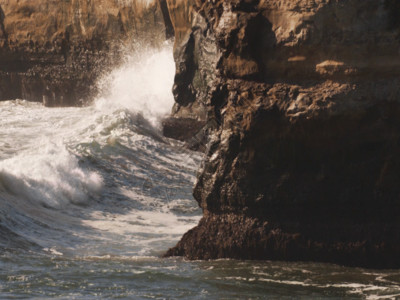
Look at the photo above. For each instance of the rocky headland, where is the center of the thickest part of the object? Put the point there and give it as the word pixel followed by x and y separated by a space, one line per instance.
pixel 53 51
pixel 296 101
pixel 302 105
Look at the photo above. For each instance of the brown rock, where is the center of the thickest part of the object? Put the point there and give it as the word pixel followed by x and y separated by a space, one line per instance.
pixel 305 101
pixel 180 128
pixel 195 65
pixel 53 51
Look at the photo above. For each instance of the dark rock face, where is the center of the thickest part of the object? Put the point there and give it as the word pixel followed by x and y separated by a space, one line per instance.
pixel 303 97
pixel 194 133
pixel 196 56
pixel 180 128
pixel 53 51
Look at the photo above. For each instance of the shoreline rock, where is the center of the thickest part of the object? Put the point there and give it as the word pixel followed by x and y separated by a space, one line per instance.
pixel 304 98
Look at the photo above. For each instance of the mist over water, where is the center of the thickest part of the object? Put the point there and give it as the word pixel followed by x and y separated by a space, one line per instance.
pixel 142 84
pixel 91 197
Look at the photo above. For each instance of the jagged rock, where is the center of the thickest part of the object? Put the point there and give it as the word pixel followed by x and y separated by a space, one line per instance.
pixel 303 159
pixel 180 128
pixel 53 51
pixel 192 132
pixel 196 56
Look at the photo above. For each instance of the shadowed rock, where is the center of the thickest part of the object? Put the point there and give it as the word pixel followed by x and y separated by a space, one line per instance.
pixel 302 162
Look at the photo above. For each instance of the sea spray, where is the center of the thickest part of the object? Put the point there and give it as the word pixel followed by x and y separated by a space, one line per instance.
pixel 142 84
pixel 99 180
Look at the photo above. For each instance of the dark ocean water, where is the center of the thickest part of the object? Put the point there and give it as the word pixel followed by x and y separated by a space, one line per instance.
pixel 28 275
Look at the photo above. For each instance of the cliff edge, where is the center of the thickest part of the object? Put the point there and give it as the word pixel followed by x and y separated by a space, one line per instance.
pixel 53 51
pixel 302 100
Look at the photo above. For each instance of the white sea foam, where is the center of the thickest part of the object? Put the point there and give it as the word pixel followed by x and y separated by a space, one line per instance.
pixel 51 176
pixel 143 84
pixel 101 177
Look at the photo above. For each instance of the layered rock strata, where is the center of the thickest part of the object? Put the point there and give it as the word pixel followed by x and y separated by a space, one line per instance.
pixel 303 100
pixel 53 51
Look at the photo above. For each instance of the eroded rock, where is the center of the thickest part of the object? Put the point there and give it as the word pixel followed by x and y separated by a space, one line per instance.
pixel 53 51
pixel 302 162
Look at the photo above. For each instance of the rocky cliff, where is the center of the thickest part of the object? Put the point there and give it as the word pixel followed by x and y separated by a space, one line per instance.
pixel 193 63
pixel 53 51
pixel 302 100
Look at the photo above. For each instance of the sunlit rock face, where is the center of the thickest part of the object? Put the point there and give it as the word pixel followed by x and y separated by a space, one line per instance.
pixel 181 14
pixel 53 51
pixel 302 98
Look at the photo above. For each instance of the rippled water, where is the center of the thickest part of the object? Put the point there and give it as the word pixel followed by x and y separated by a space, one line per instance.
pixel 91 197
pixel 41 275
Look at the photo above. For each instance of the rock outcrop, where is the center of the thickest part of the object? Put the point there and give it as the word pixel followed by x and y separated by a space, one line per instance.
pixel 53 51
pixel 195 59
pixel 303 102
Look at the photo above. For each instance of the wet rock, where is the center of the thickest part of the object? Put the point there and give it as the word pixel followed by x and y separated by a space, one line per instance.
pixel 304 99
pixel 193 132
pixel 180 128
pixel 196 55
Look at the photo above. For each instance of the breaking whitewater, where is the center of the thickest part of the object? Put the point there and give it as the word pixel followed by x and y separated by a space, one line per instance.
pixel 91 197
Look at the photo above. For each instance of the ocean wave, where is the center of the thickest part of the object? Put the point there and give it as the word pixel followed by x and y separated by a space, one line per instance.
pixel 99 180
